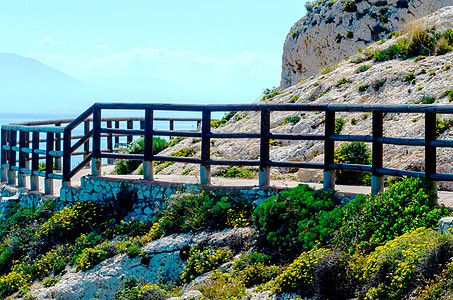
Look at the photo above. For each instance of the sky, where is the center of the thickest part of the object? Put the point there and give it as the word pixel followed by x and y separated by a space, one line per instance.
pixel 219 50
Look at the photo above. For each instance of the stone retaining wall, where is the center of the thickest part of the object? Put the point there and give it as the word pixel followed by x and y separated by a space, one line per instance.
pixel 151 195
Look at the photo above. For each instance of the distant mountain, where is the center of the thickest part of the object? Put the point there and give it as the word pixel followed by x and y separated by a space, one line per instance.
pixel 30 87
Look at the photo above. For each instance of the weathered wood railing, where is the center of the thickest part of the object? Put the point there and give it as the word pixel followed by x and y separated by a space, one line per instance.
pixel 10 148
pixel 52 154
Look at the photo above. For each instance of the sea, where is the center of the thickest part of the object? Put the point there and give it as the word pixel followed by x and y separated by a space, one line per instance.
pixel 158 125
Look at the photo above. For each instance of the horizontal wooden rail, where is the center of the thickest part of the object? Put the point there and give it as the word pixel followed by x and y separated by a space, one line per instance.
pixel 20 142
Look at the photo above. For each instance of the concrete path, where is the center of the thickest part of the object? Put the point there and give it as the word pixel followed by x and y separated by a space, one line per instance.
pixel 445 197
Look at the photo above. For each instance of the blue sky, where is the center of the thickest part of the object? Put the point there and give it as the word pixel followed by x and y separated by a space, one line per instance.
pixel 207 48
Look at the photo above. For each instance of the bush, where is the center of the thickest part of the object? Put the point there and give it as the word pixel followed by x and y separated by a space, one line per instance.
pixel 270 93
pixel 234 172
pixel 428 100
pixel 294 99
pixel 352 153
pixel 343 81
pixel 393 269
pixel 66 225
pixel 362 69
pixel 205 210
pixel 339 125
pixel 362 88
pixel 442 126
pixel 368 222
pixel 200 262
pixel 299 274
pixel 409 77
pixel 293 219
pixel 90 257
pixel 293 120
pixel 132 289
pixel 350 6
pixel 127 166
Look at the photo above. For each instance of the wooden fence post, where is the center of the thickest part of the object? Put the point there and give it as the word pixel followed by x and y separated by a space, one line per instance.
pixel 329 150
pixel 58 148
pixel 117 137
pixel 86 145
pixel 205 168
pixel 377 180
pixel 148 172
pixel 4 173
pixel 12 157
pixel 172 127
pixel 130 125
pixel 48 182
pixel 34 179
pixel 67 135
pixel 21 180
pixel 96 161
pixel 430 151
pixel 110 142
pixel 264 170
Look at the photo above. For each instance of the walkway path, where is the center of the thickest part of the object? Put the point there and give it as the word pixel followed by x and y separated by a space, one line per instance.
pixel 445 197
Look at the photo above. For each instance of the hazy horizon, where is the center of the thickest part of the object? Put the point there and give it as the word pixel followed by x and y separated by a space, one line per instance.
pixel 145 51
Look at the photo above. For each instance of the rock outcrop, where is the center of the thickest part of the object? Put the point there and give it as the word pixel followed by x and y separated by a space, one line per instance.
pixel 165 264
pixel 333 30
pixel 386 84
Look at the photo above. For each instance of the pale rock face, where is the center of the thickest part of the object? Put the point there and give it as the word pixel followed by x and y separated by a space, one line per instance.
pixel 103 280
pixel 386 86
pixel 329 34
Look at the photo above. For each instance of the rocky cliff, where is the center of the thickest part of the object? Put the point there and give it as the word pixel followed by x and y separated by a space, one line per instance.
pixel 333 30
pixel 356 80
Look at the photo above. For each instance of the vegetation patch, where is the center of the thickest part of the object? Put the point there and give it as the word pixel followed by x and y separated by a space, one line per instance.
pixel 270 93
pixel 127 166
pixel 361 69
pixel 356 153
pixel 234 172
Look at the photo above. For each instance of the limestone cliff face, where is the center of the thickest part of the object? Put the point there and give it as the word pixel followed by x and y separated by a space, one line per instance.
pixel 332 31
pixel 384 83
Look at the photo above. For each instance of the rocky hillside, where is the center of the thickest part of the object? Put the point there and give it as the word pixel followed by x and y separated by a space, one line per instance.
pixel 334 29
pixel 364 78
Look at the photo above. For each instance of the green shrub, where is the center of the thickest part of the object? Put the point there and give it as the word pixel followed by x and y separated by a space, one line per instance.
pixel 66 225
pixel 339 125
pixel 132 289
pixel 90 257
pixel 349 35
pixel 362 69
pixel 442 126
pixel 409 77
pixel 270 93
pixel 234 172
pixel 352 153
pixel 293 120
pixel 51 281
pixel 362 88
pixel 291 219
pixel 294 99
pixel 200 262
pixel 206 210
pixel 299 275
pixel 368 222
pixel 428 100
pixel 393 269
pixel 127 166
pixel 349 6
pixel 343 81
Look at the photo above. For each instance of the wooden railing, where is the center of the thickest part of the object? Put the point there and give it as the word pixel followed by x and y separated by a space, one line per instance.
pixel 21 149
pixel 95 153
